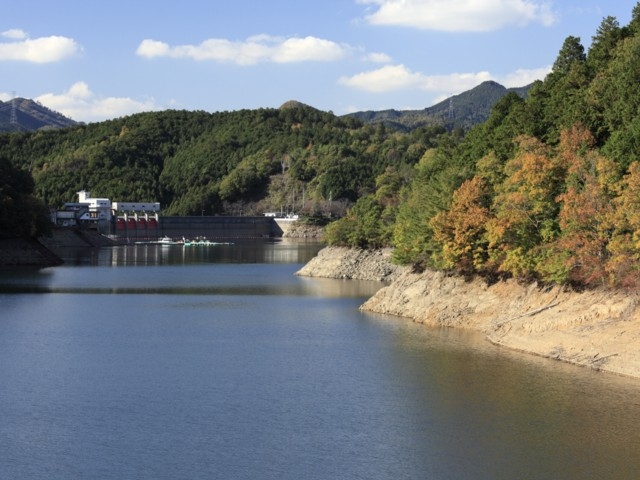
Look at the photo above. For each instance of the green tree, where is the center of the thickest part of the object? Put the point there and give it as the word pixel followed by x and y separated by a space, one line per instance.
pixel 361 227
pixel 603 44
pixel 570 53
pixel 616 100
pixel 21 214
pixel 437 176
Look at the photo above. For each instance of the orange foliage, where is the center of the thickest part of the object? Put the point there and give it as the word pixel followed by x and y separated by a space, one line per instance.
pixel 460 230
pixel 525 207
pixel 587 218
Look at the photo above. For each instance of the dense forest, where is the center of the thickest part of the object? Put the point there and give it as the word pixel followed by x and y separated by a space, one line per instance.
pixel 546 189
pixel 294 158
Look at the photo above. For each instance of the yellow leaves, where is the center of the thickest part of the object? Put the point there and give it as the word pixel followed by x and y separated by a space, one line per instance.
pixel 563 215
pixel 460 230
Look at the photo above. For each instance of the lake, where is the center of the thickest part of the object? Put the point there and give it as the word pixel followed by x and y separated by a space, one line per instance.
pixel 152 362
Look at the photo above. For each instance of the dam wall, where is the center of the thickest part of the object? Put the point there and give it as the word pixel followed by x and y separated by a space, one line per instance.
pixel 193 227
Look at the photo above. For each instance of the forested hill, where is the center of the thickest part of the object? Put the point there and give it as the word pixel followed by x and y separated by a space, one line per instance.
pixel 547 189
pixel 294 158
pixel 464 110
pixel 23 115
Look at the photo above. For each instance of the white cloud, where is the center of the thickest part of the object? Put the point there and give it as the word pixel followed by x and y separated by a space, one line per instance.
pixel 377 58
pixel 14 34
pixel 522 77
pixel 460 15
pixel 387 78
pixel 399 77
pixel 307 49
pixel 81 104
pixel 256 49
pixel 37 50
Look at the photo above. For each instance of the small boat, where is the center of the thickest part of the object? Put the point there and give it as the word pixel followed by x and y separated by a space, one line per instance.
pixel 201 241
pixel 168 241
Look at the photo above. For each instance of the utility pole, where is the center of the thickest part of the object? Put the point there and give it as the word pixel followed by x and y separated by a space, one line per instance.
pixel 13 119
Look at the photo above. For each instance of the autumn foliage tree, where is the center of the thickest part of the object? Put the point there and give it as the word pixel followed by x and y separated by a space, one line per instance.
pixel 525 208
pixel 624 248
pixel 461 230
pixel 587 214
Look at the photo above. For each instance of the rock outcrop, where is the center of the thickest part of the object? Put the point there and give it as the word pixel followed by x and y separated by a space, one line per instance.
pixel 349 263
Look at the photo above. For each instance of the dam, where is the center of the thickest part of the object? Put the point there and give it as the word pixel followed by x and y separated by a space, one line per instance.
pixel 212 228
pixel 142 221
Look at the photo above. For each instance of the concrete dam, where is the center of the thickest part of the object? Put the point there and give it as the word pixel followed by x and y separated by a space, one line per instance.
pixel 142 221
pixel 212 228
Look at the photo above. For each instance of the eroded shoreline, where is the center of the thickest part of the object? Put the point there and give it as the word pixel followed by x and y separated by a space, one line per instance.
pixel 596 329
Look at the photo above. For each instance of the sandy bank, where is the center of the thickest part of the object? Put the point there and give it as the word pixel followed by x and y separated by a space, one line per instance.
pixel 597 329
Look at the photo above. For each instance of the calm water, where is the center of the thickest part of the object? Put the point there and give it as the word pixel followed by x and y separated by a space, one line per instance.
pixel 218 363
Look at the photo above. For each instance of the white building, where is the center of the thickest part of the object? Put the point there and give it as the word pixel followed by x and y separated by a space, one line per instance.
pixel 99 208
pixel 102 214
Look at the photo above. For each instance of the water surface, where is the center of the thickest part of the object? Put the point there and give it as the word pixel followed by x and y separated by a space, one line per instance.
pixel 162 363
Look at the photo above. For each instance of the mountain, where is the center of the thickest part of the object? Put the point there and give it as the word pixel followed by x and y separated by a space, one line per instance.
pixel 459 111
pixel 28 116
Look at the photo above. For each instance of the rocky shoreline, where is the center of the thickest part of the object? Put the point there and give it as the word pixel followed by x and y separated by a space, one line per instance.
pixel 351 263
pixel 595 329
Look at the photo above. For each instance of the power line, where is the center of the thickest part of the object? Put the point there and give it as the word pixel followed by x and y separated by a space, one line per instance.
pixel 13 119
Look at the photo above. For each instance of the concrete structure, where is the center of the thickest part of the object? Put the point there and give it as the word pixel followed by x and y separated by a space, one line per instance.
pixel 219 228
pixel 141 221
pixel 100 214
pixel 99 208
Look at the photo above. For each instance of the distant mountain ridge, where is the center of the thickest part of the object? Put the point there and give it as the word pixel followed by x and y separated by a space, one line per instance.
pixel 459 111
pixel 29 115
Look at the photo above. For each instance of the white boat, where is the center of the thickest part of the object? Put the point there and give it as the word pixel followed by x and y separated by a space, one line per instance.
pixel 168 241
pixel 198 242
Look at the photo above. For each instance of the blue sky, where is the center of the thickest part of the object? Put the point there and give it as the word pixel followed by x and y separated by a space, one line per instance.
pixel 96 60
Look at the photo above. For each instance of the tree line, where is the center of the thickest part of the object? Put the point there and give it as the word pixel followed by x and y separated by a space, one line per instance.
pixel 247 161
pixel 547 189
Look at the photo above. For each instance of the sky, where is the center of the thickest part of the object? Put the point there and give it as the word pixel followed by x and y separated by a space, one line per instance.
pixel 103 59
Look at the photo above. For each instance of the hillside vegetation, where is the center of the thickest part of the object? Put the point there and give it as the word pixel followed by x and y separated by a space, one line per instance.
pixel 294 158
pixel 546 189
pixel 29 116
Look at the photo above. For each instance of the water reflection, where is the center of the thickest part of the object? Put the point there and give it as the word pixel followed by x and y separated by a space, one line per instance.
pixel 506 412
pixel 151 269
pixel 244 251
